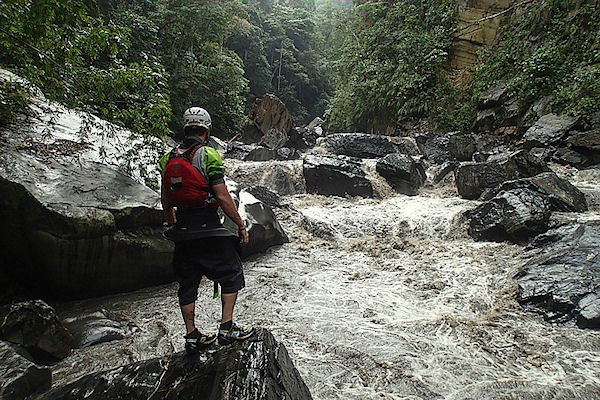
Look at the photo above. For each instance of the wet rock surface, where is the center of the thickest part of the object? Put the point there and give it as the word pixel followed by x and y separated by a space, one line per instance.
pixel 263 227
pixel 548 130
pixel 338 176
pixel 360 145
pixel 74 223
pixel 562 280
pixel 19 376
pixel 36 326
pixel 271 117
pixel 90 329
pixel 249 152
pixel 474 178
pixel 257 368
pixel 514 215
pixel 402 172
pixel 563 196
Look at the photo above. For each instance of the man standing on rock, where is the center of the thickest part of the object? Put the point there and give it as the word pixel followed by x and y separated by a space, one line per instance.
pixel 193 188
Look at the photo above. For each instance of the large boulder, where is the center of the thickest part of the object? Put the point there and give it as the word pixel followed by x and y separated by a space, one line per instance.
pixel 562 281
pixel 335 175
pixel 561 194
pixel 263 228
pixel 514 215
pixel 78 218
pixel 257 368
pixel 405 145
pixel 249 152
pixel 35 326
pixel 360 145
pixel 19 376
pixel 462 146
pixel 402 172
pixel 473 179
pixel 548 130
pixel 271 117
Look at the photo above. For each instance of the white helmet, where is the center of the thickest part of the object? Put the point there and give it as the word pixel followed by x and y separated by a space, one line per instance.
pixel 196 116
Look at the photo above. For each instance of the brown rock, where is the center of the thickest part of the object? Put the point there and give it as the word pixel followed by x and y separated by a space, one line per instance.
pixel 269 113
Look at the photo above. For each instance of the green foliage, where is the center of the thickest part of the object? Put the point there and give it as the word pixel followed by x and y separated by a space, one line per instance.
pixel 551 48
pixel 390 62
pixel 14 98
pixel 80 61
pixel 282 50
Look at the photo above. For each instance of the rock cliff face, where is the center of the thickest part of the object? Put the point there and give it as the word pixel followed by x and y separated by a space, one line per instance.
pixel 78 221
pixel 471 36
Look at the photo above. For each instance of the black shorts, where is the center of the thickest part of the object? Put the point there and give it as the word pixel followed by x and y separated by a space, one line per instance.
pixel 217 258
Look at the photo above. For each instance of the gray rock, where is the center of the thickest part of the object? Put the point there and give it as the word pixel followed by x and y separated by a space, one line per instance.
pixel 562 279
pixel 257 368
pixel 402 172
pixel 461 146
pixel 286 153
pixel 485 120
pixel 249 152
pixel 569 157
pixel 268 197
pixel 361 145
pixel 35 326
pixel 474 178
pixel 19 377
pixel 263 227
pixel 547 130
pixel 405 145
pixel 78 219
pixel 514 215
pixel 493 97
pixel 335 175
pixel 589 140
pixel 435 148
pixel 88 330
pixel 274 139
pixel 561 194
pixel 444 169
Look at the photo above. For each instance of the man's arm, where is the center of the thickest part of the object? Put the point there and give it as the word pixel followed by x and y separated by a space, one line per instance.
pixel 168 211
pixel 229 208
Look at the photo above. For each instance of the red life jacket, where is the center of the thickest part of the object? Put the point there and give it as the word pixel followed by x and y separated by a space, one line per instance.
pixel 184 184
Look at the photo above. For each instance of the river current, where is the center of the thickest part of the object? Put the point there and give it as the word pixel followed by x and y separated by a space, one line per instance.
pixel 384 298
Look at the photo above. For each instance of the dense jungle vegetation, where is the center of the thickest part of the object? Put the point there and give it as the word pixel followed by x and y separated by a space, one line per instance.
pixel 364 65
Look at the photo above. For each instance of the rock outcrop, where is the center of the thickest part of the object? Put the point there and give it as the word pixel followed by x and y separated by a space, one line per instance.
pixel 548 130
pixel 35 326
pixel 473 179
pixel 402 172
pixel 19 376
pixel 257 368
pixel 336 175
pixel 273 121
pixel 562 279
pixel 249 152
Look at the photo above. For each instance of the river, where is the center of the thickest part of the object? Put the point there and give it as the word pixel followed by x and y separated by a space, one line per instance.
pixel 383 298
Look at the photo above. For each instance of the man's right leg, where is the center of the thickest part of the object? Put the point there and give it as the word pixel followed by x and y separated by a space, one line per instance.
pixel 188 312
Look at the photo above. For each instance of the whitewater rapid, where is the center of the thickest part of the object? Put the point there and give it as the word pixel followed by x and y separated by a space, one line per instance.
pixel 376 299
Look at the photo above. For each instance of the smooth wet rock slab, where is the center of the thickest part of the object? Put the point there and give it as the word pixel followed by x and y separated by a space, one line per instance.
pixel 19 376
pixel 257 368
pixel 90 329
pixel 36 326
pixel 562 280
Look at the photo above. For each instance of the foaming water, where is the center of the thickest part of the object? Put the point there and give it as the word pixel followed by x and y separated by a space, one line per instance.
pixel 378 299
